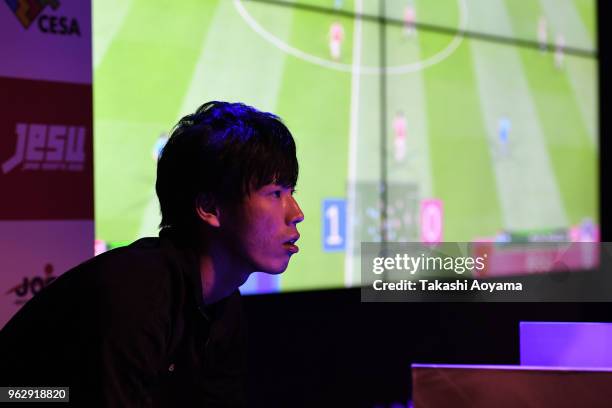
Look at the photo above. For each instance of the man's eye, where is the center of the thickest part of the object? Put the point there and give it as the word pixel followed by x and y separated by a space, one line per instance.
pixel 277 193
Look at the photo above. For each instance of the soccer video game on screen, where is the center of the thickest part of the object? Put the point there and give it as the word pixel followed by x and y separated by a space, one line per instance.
pixel 490 128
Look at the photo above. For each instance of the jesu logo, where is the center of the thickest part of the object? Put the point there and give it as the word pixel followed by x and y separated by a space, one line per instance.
pixel 27 11
pixel 31 286
pixel 48 148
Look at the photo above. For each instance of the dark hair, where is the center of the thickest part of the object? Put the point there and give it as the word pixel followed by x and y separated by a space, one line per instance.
pixel 224 150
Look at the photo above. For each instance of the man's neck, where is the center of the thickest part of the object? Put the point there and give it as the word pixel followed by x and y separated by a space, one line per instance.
pixel 220 275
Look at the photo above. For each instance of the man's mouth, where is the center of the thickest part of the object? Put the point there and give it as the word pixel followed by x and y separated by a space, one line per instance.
pixel 290 244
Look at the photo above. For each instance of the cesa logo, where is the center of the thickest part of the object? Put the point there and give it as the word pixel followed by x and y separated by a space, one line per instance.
pixel 28 11
pixel 31 286
pixel 47 148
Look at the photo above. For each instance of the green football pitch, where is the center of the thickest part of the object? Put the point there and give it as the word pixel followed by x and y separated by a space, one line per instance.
pixel 155 61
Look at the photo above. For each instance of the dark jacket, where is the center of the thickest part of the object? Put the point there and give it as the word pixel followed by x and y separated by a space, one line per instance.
pixel 129 328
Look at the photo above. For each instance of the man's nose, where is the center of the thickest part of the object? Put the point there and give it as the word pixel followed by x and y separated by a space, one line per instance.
pixel 294 212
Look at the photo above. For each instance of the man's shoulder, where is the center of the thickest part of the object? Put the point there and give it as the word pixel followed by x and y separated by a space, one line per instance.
pixel 146 255
pixel 148 273
pixel 121 299
pixel 147 265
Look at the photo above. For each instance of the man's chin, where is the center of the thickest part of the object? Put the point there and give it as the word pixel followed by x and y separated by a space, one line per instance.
pixel 273 269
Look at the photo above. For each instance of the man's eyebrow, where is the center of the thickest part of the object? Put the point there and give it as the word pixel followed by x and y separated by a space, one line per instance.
pixel 279 184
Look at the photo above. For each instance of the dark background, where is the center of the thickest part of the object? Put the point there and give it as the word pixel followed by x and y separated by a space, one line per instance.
pixel 326 348
pixel 320 349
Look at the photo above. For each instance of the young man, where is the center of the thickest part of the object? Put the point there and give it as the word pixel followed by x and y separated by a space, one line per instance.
pixel 159 322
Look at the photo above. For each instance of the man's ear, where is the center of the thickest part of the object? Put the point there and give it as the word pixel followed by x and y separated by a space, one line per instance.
pixel 207 210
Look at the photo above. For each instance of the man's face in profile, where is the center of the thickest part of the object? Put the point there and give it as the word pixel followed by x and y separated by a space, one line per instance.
pixel 263 228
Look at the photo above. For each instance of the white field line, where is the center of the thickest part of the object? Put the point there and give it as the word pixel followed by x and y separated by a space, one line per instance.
pixel 352 159
pixel 370 70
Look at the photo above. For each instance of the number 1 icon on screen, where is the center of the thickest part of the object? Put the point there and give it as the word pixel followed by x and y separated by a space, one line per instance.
pixel 334 225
